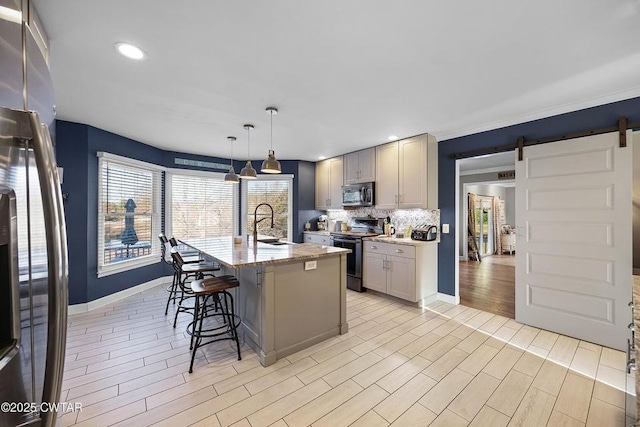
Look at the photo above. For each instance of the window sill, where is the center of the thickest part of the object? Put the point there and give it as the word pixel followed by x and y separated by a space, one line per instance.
pixel 128 265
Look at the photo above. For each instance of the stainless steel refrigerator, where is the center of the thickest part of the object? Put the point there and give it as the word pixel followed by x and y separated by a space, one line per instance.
pixel 33 246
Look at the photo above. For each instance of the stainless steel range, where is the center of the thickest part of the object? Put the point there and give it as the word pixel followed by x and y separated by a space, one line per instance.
pixel 360 227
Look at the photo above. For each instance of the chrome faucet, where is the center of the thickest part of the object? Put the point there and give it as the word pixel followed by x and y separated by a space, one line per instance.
pixel 256 221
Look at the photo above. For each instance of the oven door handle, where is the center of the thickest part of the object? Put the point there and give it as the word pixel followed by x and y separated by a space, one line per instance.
pixel 354 241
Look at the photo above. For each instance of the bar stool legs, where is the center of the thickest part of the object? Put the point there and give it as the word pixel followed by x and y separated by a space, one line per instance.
pixel 213 320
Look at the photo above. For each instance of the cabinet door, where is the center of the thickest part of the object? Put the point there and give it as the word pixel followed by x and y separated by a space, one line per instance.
pixel 322 184
pixel 374 275
pixel 402 277
pixel 412 173
pixel 386 176
pixel 367 162
pixel 335 183
pixel 351 168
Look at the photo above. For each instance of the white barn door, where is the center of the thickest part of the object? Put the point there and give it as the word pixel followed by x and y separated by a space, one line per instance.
pixel 574 247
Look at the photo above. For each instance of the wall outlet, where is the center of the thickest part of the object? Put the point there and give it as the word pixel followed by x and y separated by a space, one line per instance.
pixel 310 265
pixel 445 228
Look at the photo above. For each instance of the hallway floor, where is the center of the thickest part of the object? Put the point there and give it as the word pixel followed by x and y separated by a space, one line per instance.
pixel 398 365
pixel 489 285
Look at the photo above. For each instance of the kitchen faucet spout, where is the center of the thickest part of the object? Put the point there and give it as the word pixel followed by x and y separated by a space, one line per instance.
pixel 256 221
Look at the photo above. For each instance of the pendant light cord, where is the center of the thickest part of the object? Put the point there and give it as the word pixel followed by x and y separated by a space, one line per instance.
pixel 271 112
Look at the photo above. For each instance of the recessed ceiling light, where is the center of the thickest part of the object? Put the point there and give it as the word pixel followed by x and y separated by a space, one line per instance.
pixel 322 157
pixel 130 51
pixel 392 138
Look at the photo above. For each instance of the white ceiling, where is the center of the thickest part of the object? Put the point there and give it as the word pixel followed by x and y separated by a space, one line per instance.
pixel 344 74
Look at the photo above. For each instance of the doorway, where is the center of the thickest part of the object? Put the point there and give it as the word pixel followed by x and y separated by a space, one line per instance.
pixel 486 210
pixel 483 213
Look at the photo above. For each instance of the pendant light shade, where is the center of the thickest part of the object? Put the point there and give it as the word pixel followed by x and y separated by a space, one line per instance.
pixel 231 177
pixel 248 172
pixel 271 165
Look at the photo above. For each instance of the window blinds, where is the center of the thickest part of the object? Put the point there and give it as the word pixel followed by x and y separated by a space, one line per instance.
pixel 201 206
pixel 128 212
pixel 275 192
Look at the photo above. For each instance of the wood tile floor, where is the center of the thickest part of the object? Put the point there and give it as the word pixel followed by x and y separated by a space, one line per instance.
pixel 444 365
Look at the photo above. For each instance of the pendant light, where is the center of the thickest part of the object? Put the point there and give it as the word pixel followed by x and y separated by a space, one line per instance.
pixel 248 172
pixel 271 165
pixel 231 177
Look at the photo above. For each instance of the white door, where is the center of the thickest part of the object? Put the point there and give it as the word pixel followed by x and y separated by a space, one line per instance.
pixel 573 253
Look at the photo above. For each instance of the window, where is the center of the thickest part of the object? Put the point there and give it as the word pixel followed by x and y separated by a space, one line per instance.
pixel 129 194
pixel 277 191
pixel 200 205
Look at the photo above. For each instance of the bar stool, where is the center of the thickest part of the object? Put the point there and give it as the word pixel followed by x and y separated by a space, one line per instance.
pixel 185 252
pixel 188 256
pixel 220 324
pixel 177 272
pixel 181 273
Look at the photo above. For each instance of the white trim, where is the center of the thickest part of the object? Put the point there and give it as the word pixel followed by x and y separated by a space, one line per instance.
pixel 156 215
pixel 129 162
pixel 449 298
pixel 101 302
pixel 267 177
pixel 488 170
pixel 192 172
pixel 456 270
pixel 143 261
pixel 168 196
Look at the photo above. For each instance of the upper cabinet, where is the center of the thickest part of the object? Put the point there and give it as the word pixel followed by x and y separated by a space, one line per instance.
pixel 329 179
pixel 407 174
pixel 360 166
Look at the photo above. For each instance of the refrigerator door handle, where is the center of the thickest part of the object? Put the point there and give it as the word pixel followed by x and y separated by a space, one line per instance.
pixel 57 261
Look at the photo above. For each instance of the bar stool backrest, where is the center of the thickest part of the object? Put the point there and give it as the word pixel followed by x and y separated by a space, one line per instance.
pixel 163 248
pixel 178 261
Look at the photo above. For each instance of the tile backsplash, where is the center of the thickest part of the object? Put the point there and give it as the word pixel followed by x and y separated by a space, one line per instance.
pixel 400 218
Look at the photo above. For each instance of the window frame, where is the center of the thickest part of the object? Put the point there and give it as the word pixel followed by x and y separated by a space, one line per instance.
pixel 268 177
pixel 168 196
pixel 156 216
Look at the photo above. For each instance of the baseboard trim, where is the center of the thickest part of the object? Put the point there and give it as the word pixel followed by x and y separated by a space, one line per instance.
pixel 451 299
pixel 101 302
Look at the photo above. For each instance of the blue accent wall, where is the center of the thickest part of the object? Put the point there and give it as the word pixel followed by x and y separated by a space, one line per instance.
pixel 76 151
pixel 590 118
pixel 71 152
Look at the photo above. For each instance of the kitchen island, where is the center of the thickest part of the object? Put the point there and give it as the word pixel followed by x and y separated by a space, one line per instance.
pixel 291 296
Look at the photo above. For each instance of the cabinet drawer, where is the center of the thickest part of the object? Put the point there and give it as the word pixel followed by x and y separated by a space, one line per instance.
pixel 405 251
pixel 317 239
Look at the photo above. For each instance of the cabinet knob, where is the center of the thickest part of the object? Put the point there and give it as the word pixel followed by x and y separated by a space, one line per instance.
pixel 399 251
pixel 374 247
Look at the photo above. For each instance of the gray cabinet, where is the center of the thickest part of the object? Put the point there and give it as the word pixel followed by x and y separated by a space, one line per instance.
pixel 407 174
pixel 403 271
pixel 329 177
pixel 360 166
pixel 318 239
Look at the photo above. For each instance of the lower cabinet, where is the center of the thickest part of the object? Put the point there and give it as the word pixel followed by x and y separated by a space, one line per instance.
pixel 403 271
pixel 318 239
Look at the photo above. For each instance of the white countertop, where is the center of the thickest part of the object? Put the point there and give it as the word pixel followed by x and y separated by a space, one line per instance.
pixel 223 250
pixel 403 241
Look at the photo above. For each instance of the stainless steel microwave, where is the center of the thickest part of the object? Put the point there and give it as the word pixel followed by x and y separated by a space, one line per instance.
pixel 358 195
